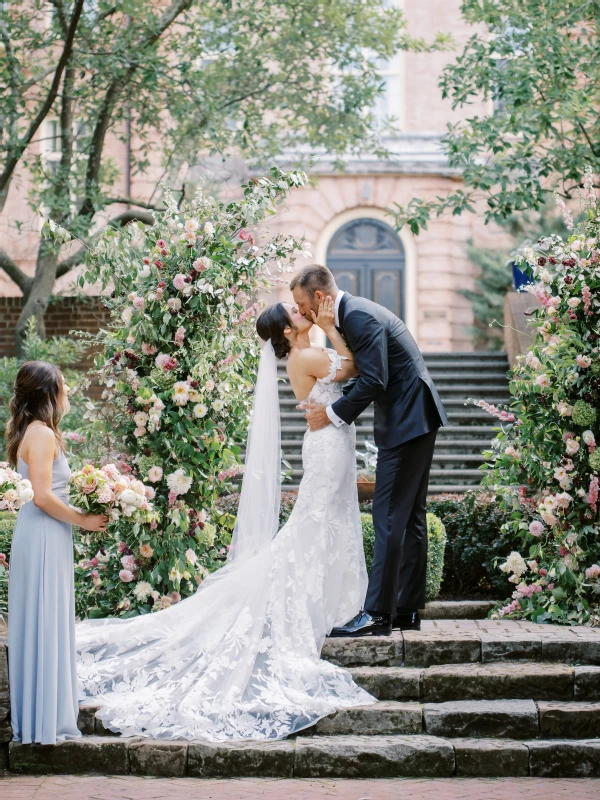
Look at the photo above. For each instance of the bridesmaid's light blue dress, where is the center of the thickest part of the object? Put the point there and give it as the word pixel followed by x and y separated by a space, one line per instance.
pixel 41 628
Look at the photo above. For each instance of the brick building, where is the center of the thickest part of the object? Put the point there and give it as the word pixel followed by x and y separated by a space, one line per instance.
pixel 343 215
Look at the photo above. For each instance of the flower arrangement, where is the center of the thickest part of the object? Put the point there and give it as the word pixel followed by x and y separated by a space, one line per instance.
pixel 105 490
pixel 545 464
pixel 15 491
pixel 178 367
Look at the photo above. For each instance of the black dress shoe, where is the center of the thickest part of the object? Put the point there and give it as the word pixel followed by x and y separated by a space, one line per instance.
pixel 365 624
pixel 407 621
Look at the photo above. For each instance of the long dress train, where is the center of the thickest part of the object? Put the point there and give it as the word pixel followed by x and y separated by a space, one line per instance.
pixel 240 658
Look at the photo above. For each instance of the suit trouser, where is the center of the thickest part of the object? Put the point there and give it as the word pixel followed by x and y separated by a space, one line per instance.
pixel 397 578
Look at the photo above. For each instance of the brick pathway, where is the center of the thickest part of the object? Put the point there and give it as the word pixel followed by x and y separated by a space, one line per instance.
pixel 130 788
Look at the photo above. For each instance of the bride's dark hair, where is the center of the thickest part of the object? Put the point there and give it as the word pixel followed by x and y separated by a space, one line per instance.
pixel 271 324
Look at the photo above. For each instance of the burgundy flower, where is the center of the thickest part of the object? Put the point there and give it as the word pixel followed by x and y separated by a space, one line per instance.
pixel 552 260
pixel 194 384
pixel 147 452
pixel 194 274
pixel 158 264
pixel 568 280
pixel 164 251
pixel 188 279
pixel 171 363
pixel 146 260
pixel 161 285
pixel 541 261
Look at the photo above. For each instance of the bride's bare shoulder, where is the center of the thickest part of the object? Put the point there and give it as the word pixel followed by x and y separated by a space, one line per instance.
pixel 311 361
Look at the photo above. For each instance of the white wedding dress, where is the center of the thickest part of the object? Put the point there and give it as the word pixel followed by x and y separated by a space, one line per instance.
pixel 240 659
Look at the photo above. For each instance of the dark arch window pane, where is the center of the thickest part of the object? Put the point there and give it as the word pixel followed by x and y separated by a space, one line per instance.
pixel 367 258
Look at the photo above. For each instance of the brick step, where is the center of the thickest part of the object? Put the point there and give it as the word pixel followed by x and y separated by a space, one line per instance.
pixel 493 681
pixel 314 757
pixel 458 642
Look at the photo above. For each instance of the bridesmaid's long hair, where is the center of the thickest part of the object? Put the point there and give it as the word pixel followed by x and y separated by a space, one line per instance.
pixel 38 395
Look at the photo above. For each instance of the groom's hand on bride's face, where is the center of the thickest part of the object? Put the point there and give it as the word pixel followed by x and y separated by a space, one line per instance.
pixel 315 416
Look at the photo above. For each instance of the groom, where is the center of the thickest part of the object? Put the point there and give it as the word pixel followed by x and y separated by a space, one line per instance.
pixel 408 413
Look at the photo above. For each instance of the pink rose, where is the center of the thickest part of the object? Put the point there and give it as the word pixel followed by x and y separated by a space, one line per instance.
pixel 126 576
pixel 536 528
pixel 148 349
pixel 139 303
pixel 95 574
pixel 179 282
pixel 592 572
pixel 146 551
pixel 550 587
pixel 175 597
pixel 243 234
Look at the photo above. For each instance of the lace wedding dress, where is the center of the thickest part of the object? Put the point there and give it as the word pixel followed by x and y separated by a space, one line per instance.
pixel 241 658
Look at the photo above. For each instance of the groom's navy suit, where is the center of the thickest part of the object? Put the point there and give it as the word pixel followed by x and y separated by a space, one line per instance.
pixel 408 413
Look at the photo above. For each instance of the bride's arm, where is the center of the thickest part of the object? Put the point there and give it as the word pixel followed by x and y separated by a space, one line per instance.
pixel 325 319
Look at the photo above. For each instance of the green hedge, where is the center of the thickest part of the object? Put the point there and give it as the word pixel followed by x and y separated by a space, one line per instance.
pixel 7 525
pixel 436 535
pixel 475 544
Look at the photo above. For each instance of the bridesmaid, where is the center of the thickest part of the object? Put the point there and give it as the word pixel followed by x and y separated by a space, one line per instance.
pixel 41 598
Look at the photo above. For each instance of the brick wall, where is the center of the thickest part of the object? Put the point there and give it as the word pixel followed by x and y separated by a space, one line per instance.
pixel 63 315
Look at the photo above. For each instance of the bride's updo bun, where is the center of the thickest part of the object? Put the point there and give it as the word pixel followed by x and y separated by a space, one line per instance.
pixel 271 325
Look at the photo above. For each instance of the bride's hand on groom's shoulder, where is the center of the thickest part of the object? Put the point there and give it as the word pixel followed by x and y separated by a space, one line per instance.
pixel 325 316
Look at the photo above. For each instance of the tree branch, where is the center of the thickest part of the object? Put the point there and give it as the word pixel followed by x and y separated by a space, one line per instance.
pixel 20 148
pixel 129 201
pixel 14 272
pixel 111 98
pixel 117 222
pixel 589 141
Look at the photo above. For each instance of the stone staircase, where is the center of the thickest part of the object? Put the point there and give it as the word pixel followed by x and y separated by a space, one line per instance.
pixel 460 698
pixel 458 451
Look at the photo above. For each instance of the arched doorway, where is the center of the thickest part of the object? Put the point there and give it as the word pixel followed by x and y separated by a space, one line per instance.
pixel 367 259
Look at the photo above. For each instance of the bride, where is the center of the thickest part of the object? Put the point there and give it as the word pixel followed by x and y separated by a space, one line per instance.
pixel 241 658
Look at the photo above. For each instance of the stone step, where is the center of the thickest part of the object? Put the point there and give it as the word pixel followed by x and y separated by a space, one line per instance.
pixel 486 432
pixel 506 719
pixel 446 446
pixel 461 642
pixel 440 458
pixel 314 757
pixel 513 719
pixel 448 474
pixel 493 681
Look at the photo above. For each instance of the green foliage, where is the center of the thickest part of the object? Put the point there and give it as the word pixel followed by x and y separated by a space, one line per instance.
pixel 64 353
pixel 7 525
pixel 539 465
pixel 178 366
pixel 475 543
pixel 436 536
pixel 539 63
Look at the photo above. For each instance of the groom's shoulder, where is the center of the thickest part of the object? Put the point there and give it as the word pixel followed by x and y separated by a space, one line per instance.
pixel 366 306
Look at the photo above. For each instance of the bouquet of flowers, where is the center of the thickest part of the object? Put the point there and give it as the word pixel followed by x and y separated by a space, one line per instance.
pixel 105 490
pixel 15 491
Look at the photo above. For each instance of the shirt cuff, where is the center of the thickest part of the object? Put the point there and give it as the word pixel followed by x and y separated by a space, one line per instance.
pixel 334 417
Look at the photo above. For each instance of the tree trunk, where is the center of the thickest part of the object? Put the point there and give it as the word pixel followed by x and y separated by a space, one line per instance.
pixel 36 300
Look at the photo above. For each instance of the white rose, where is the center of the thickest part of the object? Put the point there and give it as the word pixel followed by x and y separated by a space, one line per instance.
pixel 209 228
pixel 126 315
pixel 573 302
pixel 200 410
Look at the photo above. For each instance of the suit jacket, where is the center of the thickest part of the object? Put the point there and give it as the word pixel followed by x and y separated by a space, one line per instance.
pixel 392 374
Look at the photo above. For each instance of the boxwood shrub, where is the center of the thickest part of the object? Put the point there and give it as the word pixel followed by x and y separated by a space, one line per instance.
pixel 436 535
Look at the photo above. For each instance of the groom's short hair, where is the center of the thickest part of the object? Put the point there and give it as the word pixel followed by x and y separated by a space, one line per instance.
pixel 314 278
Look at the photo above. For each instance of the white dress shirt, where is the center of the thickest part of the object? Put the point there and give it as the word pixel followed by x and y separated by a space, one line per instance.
pixel 336 310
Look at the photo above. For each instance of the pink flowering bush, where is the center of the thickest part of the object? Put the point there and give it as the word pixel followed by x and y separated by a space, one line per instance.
pixel 544 464
pixel 178 367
